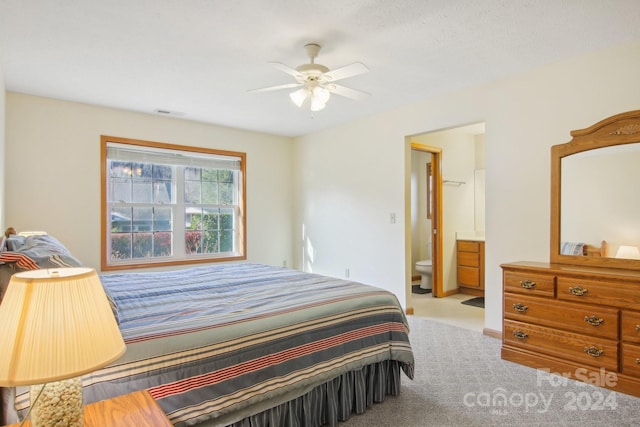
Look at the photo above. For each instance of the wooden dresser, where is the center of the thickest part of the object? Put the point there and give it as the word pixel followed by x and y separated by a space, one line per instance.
pixel 470 266
pixel 578 321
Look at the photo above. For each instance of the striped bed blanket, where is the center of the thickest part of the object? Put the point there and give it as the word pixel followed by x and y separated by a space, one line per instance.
pixel 219 343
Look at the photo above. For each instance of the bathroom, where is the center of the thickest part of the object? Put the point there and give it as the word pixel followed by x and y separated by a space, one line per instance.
pixel 462 159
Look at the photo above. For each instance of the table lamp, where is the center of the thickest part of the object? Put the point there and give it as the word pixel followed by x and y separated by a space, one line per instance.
pixel 628 252
pixel 57 325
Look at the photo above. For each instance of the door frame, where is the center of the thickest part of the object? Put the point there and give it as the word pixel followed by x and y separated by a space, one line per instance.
pixel 436 217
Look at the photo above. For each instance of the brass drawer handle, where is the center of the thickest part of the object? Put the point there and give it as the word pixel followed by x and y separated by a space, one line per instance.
pixel 637 328
pixel 520 335
pixel 528 284
pixel 594 320
pixel 578 291
pixel 519 307
pixel 593 351
pixel 637 361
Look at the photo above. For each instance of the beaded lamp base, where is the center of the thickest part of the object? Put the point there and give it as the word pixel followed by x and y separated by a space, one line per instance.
pixel 57 403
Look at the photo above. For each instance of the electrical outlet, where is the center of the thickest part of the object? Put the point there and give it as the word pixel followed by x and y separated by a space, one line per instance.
pixel 346 273
pixel 392 217
pixel 284 262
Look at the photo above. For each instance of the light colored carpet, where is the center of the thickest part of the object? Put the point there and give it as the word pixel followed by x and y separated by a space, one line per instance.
pixel 460 380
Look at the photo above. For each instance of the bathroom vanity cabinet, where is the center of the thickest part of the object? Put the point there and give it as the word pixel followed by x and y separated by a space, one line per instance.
pixel 470 266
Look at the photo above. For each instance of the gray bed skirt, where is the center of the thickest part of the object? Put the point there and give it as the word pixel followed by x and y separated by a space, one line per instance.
pixel 327 404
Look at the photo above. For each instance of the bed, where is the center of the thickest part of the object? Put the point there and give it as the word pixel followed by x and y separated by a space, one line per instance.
pixel 583 249
pixel 249 344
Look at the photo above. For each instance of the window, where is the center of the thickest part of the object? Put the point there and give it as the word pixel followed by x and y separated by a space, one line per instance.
pixel 169 204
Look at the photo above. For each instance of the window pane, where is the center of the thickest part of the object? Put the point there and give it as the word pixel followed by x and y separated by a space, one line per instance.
pixel 226 219
pixel 142 219
pixel 142 245
pixel 192 192
pixel 191 174
pixel 162 244
pixel 120 220
pixel 162 172
pixel 210 219
pixel 142 191
pixel 142 171
pixel 162 192
pixel 209 193
pixel 226 240
pixel 193 242
pixel 210 244
pixel 225 176
pixel 120 190
pixel 120 170
pixel 162 219
pixel 209 175
pixel 226 194
pixel 193 217
pixel 120 246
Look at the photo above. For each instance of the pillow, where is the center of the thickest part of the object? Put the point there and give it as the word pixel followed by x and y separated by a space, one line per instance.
pixel 570 248
pixel 14 242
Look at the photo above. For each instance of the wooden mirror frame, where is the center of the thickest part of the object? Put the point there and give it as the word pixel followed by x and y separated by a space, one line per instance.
pixel 623 128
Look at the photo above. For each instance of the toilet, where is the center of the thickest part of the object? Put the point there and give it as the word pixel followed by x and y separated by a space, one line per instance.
pixel 424 268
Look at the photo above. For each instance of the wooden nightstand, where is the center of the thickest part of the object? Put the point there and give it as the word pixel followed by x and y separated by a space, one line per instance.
pixel 136 410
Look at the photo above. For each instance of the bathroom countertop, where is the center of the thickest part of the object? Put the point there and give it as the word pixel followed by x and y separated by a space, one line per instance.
pixel 470 235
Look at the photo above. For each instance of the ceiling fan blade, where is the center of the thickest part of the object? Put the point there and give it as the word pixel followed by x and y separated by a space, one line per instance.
pixel 285 68
pixel 279 87
pixel 347 92
pixel 346 71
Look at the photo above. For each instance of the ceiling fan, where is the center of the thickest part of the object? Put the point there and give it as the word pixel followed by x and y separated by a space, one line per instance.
pixel 317 82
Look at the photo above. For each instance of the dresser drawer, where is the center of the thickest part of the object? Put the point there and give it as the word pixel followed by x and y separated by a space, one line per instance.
pixel 575 348
pixel 631 359
pixel 531 284
pixel 631 326
pixel 469 259
pixel 584 319
pixel 467 246
pixel 596 292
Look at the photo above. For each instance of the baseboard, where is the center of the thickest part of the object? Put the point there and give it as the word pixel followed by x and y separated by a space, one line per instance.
pixel 449 293
pixel 470 291
pixel 492 333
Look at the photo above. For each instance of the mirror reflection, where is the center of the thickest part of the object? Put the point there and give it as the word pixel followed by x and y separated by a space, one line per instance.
pixel 600 203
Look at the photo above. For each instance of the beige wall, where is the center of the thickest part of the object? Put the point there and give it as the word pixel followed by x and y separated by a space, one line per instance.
pixel 346 180
pixel 351 177
pixel 53 170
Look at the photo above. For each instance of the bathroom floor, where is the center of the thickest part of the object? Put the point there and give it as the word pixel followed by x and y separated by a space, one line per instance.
pixel 449 310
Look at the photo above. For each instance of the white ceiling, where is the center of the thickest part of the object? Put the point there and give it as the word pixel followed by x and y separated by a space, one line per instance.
pixel 199 57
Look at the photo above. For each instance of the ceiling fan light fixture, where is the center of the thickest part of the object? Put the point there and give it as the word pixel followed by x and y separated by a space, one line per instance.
pixel 299 96
pixel 319 98
pixel 321 94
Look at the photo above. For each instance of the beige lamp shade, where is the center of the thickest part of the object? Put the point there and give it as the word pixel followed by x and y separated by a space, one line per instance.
pixel 628 252
pixel 56 324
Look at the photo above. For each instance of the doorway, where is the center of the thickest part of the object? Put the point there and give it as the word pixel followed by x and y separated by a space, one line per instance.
pixel 456 157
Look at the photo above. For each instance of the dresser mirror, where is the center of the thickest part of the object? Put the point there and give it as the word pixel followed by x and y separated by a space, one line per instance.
pixel 595 199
